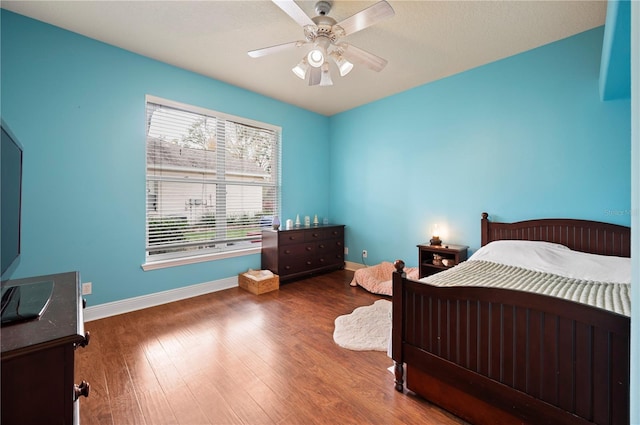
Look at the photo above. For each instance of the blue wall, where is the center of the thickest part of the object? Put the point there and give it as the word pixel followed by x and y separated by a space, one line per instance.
pixel 77 106
pixel 615 66
pixel 520 138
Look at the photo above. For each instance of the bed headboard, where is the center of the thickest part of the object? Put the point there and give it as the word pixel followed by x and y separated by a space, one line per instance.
pixel 594 237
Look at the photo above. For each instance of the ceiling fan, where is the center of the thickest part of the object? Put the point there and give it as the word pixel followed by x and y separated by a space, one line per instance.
pixel 324 34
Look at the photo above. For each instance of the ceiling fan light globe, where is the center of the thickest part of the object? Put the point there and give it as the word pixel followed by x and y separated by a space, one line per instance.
pixel 299 72
pixel 315 58
pixel 301 69
pixel 345 67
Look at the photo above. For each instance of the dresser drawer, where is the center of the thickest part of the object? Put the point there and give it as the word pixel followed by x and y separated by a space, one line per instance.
pixel 330 258
pixel 314 235
pixel 335 233
pixel 329 246
pixel 293 265
pixel 297 250
pixel 291 237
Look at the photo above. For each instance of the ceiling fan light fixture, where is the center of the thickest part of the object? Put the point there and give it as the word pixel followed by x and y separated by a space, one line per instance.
pixel 344 65
pixel 316 57
pixel 323 33
pixel 301 69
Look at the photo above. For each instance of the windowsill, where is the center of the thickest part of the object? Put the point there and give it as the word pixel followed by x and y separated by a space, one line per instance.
pixel 163 264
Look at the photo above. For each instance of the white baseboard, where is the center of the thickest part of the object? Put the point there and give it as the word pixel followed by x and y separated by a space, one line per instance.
pixel 351 266
pixel 101 311
pixel 145 301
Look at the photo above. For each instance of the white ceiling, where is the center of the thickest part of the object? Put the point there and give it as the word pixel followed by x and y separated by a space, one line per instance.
pixel 423 42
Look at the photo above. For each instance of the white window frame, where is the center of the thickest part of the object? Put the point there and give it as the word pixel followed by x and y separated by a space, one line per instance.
pixel 158 261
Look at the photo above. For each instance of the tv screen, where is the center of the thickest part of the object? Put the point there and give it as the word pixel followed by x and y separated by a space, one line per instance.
pixel 11 198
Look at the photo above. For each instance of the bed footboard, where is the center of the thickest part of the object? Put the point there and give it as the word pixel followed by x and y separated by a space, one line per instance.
pixel 494 355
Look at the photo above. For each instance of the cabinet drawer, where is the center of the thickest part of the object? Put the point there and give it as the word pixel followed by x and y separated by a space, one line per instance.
pixel 297 250
pixel 335 233
pixel 330 245
pixel 292 237
pixel 330 259
pixel 296 264
pixel 314 235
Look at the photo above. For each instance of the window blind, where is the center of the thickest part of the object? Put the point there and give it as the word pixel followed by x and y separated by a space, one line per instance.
pixel 212 180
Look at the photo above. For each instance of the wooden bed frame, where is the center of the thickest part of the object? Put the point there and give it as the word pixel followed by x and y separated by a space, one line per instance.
pixel 498 356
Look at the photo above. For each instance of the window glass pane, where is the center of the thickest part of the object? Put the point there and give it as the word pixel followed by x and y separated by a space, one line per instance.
pixel 212 182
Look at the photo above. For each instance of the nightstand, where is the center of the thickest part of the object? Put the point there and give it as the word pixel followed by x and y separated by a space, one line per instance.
pixel 428 257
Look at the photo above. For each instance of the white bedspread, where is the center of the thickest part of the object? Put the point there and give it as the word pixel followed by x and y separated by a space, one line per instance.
pixel 610 296
pixel 556 259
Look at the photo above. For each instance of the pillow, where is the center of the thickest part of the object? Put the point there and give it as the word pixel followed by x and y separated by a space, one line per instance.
pixel 506 245
pixel 557 259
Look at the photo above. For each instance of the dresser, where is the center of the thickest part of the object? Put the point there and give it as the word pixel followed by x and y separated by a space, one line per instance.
pixel 303 251
pixel 38 357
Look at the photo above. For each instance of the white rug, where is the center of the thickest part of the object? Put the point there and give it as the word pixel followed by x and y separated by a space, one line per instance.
pixel 366 328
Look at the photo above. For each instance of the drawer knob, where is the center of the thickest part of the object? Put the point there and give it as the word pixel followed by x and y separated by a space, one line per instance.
pixel 308 248
pixel 287 251
pixel 321 245
pixel 85 341
pixel 81 390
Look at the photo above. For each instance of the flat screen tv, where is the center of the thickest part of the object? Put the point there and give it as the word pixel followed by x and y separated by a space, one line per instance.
pixel 11 201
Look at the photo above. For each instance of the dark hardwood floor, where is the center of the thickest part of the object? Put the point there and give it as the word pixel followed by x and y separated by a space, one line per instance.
pixel 232 357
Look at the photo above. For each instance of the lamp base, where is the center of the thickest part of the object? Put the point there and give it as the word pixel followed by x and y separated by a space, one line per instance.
pixel 435 241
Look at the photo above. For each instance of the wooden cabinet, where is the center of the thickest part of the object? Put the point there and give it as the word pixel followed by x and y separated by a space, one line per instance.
pixel 303 250
pixel 38 384
pixel 430 257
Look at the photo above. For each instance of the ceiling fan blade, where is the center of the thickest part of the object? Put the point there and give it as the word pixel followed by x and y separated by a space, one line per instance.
pixel 315 75
pixel 275 49
pixel 367 17
pixel 293 10
pixel 355 54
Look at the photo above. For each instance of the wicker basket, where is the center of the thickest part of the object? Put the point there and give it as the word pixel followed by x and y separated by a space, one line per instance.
pixel 259 286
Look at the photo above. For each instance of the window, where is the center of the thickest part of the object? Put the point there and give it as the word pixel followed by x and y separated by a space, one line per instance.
pixel 212 182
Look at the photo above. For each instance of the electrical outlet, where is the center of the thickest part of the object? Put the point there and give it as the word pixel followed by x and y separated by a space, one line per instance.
pixel 86 288
pixel 364 253
pixel 346 250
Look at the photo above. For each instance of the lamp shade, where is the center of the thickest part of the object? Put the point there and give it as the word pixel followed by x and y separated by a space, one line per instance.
pixel 344 65
pixel 301 69
pixel 435 235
